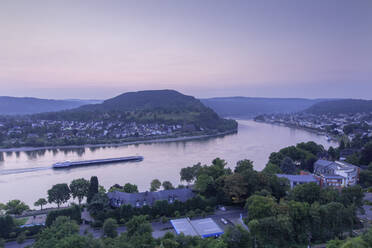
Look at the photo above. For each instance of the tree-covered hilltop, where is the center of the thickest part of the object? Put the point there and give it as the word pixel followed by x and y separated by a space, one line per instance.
pixel 148 100
pixel 345 106
pixel 152 106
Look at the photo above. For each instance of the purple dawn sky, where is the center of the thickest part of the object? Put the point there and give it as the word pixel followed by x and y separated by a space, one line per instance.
pixel 205 48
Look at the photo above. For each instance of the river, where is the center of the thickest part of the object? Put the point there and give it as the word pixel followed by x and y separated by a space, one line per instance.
pixel 28 175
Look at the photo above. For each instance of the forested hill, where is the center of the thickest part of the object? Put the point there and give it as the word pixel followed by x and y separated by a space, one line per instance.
pixel 28 105
pixel 345 106
pixel 155 106
pixel 252 106
pixel 169 100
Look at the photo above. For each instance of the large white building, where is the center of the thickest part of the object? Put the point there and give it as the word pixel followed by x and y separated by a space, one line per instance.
pixel 347 174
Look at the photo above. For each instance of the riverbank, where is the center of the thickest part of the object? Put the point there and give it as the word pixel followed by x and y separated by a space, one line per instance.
pixel 149 141
pixel 308 129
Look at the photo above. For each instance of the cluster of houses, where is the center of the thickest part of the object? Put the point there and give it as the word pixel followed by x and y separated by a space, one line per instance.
pixel 89 130
pixel 337 174
pixel 332 124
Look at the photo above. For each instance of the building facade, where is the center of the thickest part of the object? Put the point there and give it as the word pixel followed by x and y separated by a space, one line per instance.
pixel 337 174
pixel 118 198
pixel 295 180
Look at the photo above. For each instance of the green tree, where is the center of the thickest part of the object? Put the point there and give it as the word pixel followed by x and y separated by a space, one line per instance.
pixel 336 243
pixel 93 188
pixel 357 242
pixel 78 241
pixel 352 196
pixel 237 237
pixel 109 228
pixel 366 154
pixel 271 168
pixel 365 177
pixel 2 208
pixel 243 165
pixel 235 187
pixel 260 206
pixel 99 205
pixel 187 174
pixel 130 188
pixel 138 224
pixel 287 166
pixel 309 192
pixel 274 231
pixel 51 236
pixel 15 207
pixel 79 189
pixel 59 194
pixel 21 238
pixel 311 147
pixel 41 202
pixel 155 185
pixel 167 185
pixel 332 152
pixel 203 182
pixel 7 226
pixel 342 144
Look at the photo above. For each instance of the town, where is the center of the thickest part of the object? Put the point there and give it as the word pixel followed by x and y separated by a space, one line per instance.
pixel 335 125
pixel 34 132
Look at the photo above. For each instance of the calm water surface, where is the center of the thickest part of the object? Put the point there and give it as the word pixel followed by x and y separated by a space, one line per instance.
pixel 28 176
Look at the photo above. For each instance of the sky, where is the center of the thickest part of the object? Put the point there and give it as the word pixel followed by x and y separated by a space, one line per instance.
pixel 268 48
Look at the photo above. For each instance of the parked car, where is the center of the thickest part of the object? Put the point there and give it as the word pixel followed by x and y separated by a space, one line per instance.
pixel 224 221
pixel 222 208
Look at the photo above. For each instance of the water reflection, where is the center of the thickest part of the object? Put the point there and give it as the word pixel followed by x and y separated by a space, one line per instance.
pixel 254 141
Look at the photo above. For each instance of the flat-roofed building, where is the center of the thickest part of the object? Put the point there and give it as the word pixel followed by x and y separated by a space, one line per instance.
pixel 206 228
pixel 295 180
pixel 183 226
pixel 202 227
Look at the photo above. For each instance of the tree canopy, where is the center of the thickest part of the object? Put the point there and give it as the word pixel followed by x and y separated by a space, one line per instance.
pixel 59 194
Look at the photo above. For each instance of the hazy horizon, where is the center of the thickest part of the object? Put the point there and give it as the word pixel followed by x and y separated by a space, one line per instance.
pixel 100 49
pixel 231 96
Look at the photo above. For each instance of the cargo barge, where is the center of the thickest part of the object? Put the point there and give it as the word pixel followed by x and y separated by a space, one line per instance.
pixel 69 164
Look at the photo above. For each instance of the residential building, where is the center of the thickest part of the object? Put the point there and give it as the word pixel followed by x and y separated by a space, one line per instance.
pixel 338 172
pixel 118 198
pixel 295 180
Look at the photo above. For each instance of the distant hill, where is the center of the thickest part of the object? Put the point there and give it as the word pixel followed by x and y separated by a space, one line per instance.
pixel 28 105
pixel 252 106
pixel 156 106
pixel 344 106
pixel 148 100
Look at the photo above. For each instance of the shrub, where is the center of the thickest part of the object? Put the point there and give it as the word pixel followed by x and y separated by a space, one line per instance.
pixel 21 238
pixel 109 228
pixel 96 224
pixel 73 212
pixel 177 214
pixel 164 219
pixel 191 214
pixel 7 225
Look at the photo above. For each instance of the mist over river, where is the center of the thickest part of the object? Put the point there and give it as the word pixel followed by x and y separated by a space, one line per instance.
pixel 28 175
